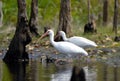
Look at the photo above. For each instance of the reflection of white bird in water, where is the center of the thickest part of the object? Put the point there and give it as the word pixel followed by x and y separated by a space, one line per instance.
pixel 64 47
pixel 79 41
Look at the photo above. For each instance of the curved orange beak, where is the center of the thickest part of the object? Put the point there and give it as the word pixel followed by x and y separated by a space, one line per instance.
pixel 44 35
pixel 56 36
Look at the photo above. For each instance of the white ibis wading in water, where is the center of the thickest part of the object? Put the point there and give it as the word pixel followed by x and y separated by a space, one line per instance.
pixel 79 41
pixel 64 47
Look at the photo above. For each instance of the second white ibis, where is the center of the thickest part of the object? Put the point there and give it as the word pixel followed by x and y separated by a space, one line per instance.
pixel 79 41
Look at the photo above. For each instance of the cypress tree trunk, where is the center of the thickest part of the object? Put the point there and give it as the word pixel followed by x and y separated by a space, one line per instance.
pixel 1 13
pixel 88 10
pixel 21 38
pixel 65 17
pixel 34 18
pixel 105 12
pixel 115 20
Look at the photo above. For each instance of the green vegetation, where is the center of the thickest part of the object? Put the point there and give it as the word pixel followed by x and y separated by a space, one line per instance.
pixel 48 15
pixel 49 11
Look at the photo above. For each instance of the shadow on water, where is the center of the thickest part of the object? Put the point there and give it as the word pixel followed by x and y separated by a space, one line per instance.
pixel 16 71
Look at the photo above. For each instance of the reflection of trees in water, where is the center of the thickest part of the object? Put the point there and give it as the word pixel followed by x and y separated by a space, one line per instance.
pixel 107 73
pixel 38 72
pixel 22 71
pixel 33 71
pixel 1 71
pixel 15 71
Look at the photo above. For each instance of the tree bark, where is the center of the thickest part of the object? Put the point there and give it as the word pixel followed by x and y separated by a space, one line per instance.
pixel 65 17
pixel 115 19
pixel 88 10
pixel 17 50
pixel 105 12
pixel 34 18
pixel 1 14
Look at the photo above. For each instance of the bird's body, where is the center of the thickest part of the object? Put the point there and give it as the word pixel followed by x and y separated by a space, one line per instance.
pixel 79 41
pixel 65 47
pixel 82 42
pixel 69 48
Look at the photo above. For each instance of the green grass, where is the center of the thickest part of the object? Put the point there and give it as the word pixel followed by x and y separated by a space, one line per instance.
pixel 48 15
pixel 104 36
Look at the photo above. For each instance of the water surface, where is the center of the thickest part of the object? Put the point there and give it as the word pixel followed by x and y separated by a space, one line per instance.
pixel 34 70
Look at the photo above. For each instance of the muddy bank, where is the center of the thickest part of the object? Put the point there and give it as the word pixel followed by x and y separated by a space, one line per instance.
pixel 108 55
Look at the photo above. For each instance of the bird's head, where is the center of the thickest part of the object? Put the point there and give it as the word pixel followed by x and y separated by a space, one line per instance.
pixel 48 32
pixel 60 33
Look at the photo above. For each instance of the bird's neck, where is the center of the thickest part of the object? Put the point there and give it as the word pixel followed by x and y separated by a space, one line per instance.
pixel 52 39
pixel 65 38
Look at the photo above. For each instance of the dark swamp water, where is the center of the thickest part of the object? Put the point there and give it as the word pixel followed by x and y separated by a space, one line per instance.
pixel 96 68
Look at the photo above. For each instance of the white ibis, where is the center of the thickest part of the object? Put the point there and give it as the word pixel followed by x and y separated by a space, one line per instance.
pixel 64 47
pixel 79 41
